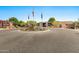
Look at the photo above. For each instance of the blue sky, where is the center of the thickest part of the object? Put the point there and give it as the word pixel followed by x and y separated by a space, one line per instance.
pixel 61 13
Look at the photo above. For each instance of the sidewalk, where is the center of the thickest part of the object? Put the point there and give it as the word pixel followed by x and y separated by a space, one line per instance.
pixel 5 30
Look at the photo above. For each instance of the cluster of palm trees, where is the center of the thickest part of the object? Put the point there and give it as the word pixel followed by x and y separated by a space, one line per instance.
pixel 33 15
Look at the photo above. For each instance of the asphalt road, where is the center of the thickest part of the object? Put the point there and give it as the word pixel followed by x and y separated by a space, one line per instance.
pixel 54 41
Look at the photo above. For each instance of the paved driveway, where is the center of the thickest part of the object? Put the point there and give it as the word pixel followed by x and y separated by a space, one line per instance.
pixel 54 41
